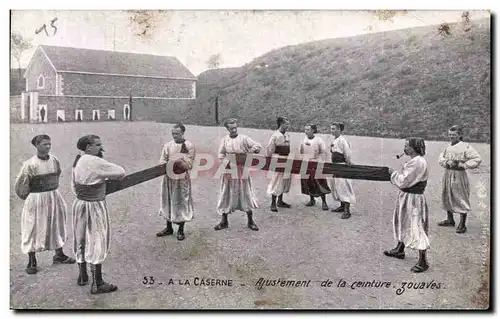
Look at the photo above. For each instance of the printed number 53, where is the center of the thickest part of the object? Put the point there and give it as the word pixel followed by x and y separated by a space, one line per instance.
pixel 148 280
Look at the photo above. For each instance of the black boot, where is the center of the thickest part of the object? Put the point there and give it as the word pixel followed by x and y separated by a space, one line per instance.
pixel 449 221
pixel 324 205
pixel 461 226
pixel 61 258
pixel 98 284
pixel 167 231
pixel 281 203
pixel 83 276
pixel 273 204
pixel 31 268
pixel 398 252
pixel 311 202
pixel 339 209
pixel 422 264
pixel 180 232
pixel 251 223
pixel 223 223
pixel 347 211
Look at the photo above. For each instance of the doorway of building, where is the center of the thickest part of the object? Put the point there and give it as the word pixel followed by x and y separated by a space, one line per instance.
pixel 126 112
pixel 79 115
pixel 42 113
pixel 96 115
pixel 60 116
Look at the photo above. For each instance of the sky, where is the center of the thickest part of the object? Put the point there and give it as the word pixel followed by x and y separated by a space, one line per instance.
pixel 193 36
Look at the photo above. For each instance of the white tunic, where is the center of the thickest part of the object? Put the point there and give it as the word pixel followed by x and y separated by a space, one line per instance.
pixel 236 193
pixel 280 181
pixel 456 188
pixel 411 214
pixel 342 189
pixel 176 198
pixel 43 219
pixel 90 218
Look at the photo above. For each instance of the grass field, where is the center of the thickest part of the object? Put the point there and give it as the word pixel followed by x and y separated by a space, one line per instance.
pixel 299 243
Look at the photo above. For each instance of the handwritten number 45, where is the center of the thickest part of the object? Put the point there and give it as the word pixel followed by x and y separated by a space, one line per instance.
pixel 44 28
pixel 148 280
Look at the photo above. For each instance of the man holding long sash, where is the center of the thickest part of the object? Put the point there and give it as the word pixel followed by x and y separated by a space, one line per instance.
pixel 176 191
pixel 342 190
pixel 411 214
pixel 236 192
pixel 279 145
pixel 90 213
pixel 43 221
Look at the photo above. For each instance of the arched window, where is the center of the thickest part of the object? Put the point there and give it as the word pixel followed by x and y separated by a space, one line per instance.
pixel 40 83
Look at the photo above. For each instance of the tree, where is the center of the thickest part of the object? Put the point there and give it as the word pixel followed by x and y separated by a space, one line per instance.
pixel 18 46
pixel 214 61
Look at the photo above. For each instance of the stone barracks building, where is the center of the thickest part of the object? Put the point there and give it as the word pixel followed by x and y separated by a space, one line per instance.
pixel 74 84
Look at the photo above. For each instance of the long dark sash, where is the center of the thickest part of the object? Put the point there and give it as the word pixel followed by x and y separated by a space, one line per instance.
pixel 418 188
pixel 371 173
pixel 136 178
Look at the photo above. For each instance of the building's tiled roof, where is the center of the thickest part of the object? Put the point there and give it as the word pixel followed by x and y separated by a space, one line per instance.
pixel 113 62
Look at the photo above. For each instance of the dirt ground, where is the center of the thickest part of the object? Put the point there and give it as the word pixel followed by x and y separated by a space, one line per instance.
pixel 300 243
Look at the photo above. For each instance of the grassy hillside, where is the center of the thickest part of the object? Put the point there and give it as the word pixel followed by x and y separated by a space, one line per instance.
pixel 390 84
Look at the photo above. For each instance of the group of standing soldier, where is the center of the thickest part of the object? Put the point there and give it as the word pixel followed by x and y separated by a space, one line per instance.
pixel 43 220
pixel 236 192
pixel 312 148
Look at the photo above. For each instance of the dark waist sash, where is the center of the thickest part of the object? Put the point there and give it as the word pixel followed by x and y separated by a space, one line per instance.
pixel 283 150
pixel 418 188
pixel 91 193
pixel 44 183
pixel 338 157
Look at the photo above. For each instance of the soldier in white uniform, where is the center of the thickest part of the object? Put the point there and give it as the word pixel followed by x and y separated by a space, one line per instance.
pixel 43 220
pixel 313 148
pixel 92 234
pixel 342 190
pixel 236 193
pixel 456 159
pixel 279 145
pixel 411 214
pixel 176 192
